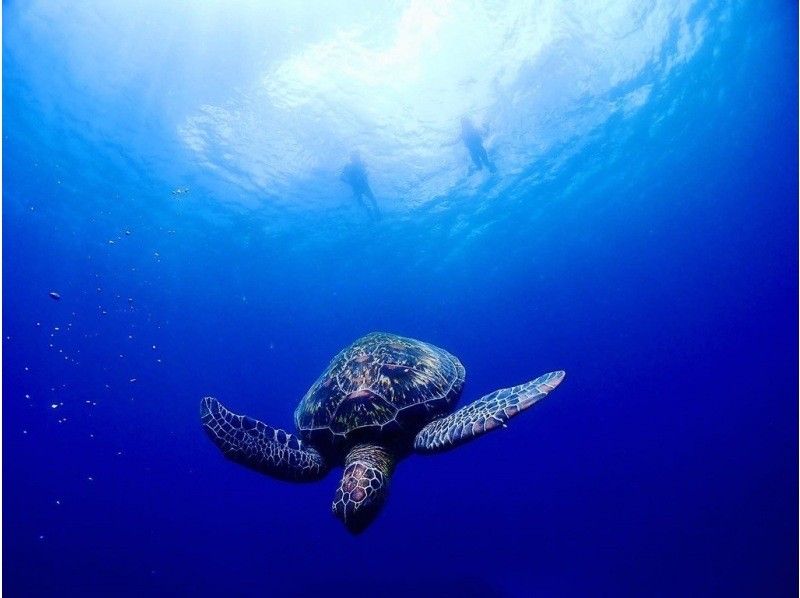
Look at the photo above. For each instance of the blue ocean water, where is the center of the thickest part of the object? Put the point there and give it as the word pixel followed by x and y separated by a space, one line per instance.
pixel 172 173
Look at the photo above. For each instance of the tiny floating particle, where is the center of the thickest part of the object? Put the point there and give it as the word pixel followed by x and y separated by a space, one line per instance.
pixel 54 406
pixel 132 380
pixel 55 296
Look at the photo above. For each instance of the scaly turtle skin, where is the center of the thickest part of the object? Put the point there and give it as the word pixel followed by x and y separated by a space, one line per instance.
pixel 379 398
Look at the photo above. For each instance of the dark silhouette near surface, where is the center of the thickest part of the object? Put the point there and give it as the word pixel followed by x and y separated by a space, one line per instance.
pixel 355 175
pixel 474 143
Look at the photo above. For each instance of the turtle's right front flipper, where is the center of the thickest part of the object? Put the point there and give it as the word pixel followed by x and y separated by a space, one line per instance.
pixel 261 447
pixel 485 414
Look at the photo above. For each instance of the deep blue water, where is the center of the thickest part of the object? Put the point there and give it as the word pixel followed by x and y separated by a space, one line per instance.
pixel 640 233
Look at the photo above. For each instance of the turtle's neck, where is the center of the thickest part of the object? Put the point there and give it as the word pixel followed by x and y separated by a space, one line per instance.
pixel 372 454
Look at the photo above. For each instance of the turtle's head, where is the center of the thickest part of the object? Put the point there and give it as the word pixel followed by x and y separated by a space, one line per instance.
pixel 364 486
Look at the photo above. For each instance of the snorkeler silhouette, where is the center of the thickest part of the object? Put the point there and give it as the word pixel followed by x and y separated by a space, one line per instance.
pixel 474 142
pixel 355 175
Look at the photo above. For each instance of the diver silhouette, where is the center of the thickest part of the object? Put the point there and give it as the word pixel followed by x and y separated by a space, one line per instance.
pixel 474 143
pixel 355 175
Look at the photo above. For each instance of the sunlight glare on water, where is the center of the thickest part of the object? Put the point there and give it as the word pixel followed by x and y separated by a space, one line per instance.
pixel 272 98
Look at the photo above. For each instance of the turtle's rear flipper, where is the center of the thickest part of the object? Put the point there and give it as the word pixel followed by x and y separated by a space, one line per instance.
pixel 261 447
pixel 485 414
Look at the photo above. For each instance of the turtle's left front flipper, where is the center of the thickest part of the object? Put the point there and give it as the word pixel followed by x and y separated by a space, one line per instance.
pixel 261 447
pixel 485 414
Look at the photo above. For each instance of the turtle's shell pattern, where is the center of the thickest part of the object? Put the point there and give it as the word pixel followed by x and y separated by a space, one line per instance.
pixel 382 386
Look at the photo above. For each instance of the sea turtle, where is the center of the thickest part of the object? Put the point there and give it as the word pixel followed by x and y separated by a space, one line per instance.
pixel 379 399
